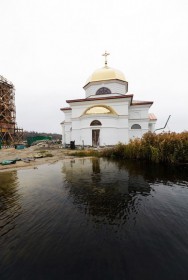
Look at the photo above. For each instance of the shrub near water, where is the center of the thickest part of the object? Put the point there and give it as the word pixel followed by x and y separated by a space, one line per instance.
pixel 85 153
pixel 170 147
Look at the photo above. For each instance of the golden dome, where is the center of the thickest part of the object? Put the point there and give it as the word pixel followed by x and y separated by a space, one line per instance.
pixel 106 73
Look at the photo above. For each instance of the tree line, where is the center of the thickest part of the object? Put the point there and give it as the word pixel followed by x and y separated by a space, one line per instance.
pixel 55 136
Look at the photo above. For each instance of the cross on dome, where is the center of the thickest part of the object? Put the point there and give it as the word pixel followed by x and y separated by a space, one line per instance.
pixel 105 55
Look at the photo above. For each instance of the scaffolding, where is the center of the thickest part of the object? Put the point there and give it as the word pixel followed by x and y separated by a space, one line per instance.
pixel 10 134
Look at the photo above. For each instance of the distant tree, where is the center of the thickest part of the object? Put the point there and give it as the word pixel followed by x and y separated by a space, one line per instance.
pixel 55 136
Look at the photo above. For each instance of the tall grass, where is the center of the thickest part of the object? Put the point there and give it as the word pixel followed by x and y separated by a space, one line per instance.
pixel 166 147
pixel 85 153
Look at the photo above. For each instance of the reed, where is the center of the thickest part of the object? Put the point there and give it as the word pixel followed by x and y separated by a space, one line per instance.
pixel 166 147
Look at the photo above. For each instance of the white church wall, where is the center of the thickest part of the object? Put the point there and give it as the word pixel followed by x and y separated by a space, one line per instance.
pixel 106 121
pixel 115 87
pixel 108 136
pixel 66 128
pixel 134 115
pixel 77 111
pixel 114 129
pixel 123 135
pixel 63 133
pixel 82 136
pixel 142 122
pixel 113 135
pixel 68 114
pixel 75 133
pixel 151 127
pixel 139 111
pixel 76 136
pixel 120 106
pixel 144 113
pixel 138 115
pixel 86 136
pixel 135 133
pixel 138 133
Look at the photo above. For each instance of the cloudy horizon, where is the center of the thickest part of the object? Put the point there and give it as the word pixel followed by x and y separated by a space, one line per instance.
pixel 49 49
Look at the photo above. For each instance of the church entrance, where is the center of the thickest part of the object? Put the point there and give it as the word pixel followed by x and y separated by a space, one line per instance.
pixel 95 137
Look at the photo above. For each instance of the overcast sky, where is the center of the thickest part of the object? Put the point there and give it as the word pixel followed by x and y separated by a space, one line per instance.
pixel 48 49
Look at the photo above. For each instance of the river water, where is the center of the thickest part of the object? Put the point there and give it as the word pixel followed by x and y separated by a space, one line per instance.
pixel 94 219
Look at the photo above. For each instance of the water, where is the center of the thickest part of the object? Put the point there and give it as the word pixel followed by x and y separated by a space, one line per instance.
pixel 94 219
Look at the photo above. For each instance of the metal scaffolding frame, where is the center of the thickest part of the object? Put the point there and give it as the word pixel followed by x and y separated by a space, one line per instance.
pixel 10 134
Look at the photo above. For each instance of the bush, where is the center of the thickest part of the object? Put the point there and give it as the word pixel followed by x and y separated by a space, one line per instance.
pixel 166 147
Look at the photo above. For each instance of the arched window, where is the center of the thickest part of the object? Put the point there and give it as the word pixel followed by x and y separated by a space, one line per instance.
pixel 95 122
pixel 135 126
pixel 103 90
pixel 99 109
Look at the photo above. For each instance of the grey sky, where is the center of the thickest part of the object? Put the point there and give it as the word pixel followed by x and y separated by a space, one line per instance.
pixel 48 49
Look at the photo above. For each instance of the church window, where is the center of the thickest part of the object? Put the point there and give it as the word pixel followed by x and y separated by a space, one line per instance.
pixel 103 90
pixel 95 122
pixel 98 110
pixel 135 126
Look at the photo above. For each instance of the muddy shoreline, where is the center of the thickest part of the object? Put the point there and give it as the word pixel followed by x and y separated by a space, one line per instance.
pixel 50 155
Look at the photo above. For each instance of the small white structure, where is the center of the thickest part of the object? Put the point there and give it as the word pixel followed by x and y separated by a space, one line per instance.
pixel 108 114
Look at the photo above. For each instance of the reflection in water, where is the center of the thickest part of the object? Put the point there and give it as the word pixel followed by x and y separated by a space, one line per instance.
pixel 94 219
pixel 155 173
pixel 96 174
pixel 9 201
pixel 96 165
pixel 104 191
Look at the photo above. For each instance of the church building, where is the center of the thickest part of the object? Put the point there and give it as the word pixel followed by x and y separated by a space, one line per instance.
pixel 108 114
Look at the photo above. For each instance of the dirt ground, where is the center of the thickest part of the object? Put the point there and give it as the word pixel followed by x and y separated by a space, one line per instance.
pixel 50 155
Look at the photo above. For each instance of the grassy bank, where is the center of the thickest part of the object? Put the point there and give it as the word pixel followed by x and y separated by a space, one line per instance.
pixel 170 148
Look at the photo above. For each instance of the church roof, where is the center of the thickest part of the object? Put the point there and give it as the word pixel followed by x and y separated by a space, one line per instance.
pixel 152 117
pixel 105 74
pixel 100 98
pixel 132 103
pixel 135 102
pixel 65 109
